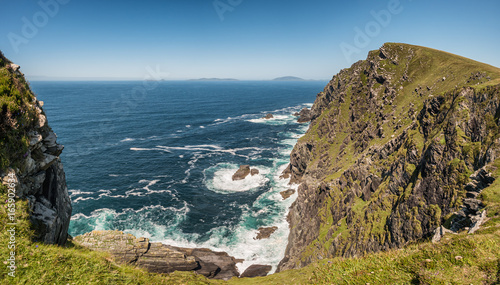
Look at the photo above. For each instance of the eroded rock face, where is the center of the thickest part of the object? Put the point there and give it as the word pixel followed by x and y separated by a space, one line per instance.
pixel 43 182
pixel 376 171
pixel 40 176
pixel 158 257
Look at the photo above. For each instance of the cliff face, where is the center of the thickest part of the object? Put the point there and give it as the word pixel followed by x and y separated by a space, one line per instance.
pixel 29 150
pixel 399 144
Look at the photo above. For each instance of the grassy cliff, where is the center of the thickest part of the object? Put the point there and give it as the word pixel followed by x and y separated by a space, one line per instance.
pixel 394 142
pixel 17 114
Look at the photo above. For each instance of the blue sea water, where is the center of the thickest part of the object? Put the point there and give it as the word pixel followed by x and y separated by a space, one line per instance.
pixel 155 159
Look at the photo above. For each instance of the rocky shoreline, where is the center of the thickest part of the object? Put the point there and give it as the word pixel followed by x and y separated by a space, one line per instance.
pixel 161 258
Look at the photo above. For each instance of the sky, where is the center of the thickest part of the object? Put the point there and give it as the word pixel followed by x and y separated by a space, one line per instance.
pixel 243 39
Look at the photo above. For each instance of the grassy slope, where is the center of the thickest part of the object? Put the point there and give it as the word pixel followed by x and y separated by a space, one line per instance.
pixel 17 115
pixel 425 262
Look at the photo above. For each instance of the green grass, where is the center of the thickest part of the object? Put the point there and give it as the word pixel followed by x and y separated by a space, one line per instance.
pixel 17 116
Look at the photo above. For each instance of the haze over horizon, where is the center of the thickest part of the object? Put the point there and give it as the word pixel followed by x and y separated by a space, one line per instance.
pixel 242 39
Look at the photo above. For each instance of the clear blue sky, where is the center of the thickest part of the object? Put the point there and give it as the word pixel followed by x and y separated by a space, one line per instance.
pixel 253 39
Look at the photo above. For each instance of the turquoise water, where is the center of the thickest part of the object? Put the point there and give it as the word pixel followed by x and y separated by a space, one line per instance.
pixel 159 164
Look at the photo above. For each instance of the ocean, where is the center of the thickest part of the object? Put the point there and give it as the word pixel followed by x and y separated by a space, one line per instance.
pixel 155 159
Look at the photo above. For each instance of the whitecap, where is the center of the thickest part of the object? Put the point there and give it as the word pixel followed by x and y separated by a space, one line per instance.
pixel 147 149
pixel 219 179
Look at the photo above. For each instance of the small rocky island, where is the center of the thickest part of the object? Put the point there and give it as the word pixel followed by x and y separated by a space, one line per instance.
pixel 243 172
pixel 268 116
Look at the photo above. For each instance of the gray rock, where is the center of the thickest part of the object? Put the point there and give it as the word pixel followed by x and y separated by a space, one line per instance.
pixel 477 221
pixel 50 140
pixel 439 233
pixel 207 257
pixel 268 116
pixel 34 138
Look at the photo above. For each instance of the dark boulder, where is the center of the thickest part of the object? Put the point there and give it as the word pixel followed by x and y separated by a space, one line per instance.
pixel 304 115
pixel 254 171
pixel 241 173
pixel 286 194
pixel 256 270
pixel 265 232
pixel 268 116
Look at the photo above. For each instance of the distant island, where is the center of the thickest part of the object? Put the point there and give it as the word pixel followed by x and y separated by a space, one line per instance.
pixel 288 78
pixel 214 79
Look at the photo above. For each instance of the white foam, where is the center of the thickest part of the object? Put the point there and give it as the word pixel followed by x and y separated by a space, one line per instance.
pixel 140 139
pixel 78 192
pixel 103 219
pixel 222 181
pixel 137 192
pixel 204 148
pixel 147 149
pixel 276 120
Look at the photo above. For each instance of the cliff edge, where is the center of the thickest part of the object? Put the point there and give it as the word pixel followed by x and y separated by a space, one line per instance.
pixel 399 145
pixel 30 153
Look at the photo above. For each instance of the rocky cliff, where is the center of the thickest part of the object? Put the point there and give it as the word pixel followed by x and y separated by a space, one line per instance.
pixel 29 151
pixel 399 145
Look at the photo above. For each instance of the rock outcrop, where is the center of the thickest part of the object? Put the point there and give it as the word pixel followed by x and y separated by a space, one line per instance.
pixel 34 160
pixel 287 193
pixel 243 172
pixel 394 151
pixel 158 257
pixel 268 116
pixel 304 115
pixel 256 270
pixel 265 232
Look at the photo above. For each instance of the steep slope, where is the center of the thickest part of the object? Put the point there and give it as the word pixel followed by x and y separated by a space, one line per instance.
pixel 29 154
pixel 397 146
